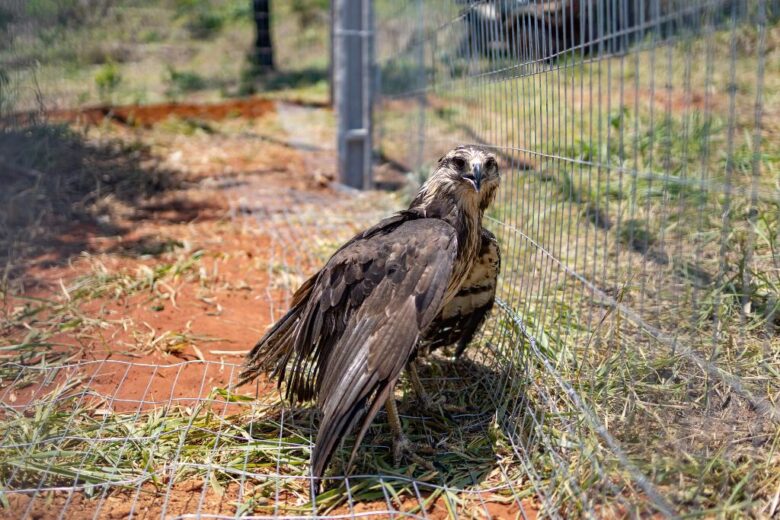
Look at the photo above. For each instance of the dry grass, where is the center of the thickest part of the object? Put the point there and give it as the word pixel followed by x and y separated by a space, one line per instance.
pixel 70 437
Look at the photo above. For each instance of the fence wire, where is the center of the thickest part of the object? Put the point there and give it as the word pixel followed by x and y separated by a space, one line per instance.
pixel 631 365
pixel 638 225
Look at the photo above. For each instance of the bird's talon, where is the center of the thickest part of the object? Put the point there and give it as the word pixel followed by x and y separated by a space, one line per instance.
pixel 401 446
pixel 404 449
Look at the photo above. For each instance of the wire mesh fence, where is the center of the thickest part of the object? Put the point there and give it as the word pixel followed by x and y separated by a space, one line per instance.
pixel 631 365
pixel 638 224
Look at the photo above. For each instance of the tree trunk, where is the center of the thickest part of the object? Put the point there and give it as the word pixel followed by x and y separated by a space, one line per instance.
pixel 263 55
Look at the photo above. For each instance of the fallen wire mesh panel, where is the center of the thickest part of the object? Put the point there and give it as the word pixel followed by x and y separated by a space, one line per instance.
pixel 93 439
pixel 638 220
pixel 631 365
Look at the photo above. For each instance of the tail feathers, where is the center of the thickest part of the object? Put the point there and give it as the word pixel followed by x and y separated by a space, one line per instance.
pixel 276 346
pixel 272 349
pixel 333 429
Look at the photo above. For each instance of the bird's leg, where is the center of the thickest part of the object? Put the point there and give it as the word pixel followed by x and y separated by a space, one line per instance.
pixel 429 404
pixel 402 446
pixel 401 442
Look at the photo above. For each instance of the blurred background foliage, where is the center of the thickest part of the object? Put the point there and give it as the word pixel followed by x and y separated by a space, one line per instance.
pixel 69 53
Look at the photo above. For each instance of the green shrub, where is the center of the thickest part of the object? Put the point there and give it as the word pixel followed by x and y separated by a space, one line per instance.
pixel 108 79
pixel 204 24
pixel 182 82
pixel 202 20
pixel 309 11
pixel 57 12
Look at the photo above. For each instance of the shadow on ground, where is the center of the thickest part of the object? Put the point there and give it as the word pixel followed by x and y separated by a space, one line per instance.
pixel 61 188
pixel 459 439
pixel 254 81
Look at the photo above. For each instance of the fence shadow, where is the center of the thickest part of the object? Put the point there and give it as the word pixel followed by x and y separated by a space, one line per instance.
pixel 61 189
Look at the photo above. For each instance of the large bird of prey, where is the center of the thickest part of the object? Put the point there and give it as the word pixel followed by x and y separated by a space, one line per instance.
pixel 418 280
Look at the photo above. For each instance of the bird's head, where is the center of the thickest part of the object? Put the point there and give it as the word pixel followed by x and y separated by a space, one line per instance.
pixel 466 173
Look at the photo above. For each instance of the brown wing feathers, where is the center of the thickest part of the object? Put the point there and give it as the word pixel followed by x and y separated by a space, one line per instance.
pixel 359 372
pixel 348 337
pixel 276 347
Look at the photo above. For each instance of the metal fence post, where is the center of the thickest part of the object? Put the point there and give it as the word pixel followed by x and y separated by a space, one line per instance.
pixel 353 59
pixel 422 96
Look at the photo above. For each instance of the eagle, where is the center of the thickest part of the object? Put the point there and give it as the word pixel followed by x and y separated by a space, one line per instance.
pixel 421 279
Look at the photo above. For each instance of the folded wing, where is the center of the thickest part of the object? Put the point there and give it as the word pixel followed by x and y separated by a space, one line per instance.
pixel 274 350
pixel 347 339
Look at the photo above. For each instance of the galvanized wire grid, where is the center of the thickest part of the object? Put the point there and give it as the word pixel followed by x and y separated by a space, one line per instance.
pixel 637 217
pixel 130 449
pixel 631 365
pixel 157 429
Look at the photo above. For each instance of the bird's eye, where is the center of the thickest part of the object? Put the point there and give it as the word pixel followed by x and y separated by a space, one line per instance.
pixel 490 164
pixel 459 162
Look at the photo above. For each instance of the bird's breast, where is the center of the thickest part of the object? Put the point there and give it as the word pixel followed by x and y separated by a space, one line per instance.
pixel 465 261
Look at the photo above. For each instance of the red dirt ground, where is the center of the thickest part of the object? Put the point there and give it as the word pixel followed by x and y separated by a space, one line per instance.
pixel 148 115
pixel 231 313
pixel 190 497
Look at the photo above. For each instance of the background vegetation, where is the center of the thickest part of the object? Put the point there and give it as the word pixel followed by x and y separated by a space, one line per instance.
pixel 72 53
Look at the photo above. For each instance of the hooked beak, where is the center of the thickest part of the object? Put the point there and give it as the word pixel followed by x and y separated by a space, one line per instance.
pixel 475 177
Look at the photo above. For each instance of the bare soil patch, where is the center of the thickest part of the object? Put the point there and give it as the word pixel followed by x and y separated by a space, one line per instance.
pixel 151 114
